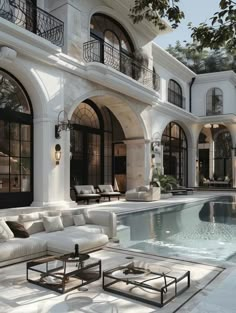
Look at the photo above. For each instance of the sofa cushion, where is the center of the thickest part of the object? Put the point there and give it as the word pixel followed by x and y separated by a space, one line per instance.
pixel 29 217
pixel 79 220
pixel 18 229
pixel 143 188
pixel 17 247
pixel 87 241
pixel 33 227
pixel 52 223
pixel 32 222
pixel 85 192
pixel 5 232
pixel 49 213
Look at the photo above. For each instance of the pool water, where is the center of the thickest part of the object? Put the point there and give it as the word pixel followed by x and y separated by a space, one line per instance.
pixel 200 230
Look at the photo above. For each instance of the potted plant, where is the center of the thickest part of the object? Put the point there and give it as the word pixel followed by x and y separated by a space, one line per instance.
pixel 166 182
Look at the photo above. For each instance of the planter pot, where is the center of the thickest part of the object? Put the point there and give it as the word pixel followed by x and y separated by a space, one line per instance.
pixel 166 195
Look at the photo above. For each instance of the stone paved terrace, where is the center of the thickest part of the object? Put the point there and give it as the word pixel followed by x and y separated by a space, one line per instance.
pixel 212 289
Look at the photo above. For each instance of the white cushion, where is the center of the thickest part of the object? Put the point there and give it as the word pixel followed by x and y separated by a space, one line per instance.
pixel 79 220
pixel 52 223
pixel 143 188
pixel 49 213
pixel 87 241
pixel 33 227
pixel 29 217
pixel 18 247
pixel 5 232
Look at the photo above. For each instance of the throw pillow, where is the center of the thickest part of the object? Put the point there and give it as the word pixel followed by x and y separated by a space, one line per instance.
pixel 32 222
pixel 85 192
pixel 52 223
pixel 18 229
pixel 79 220
pixel 143 188
pixel 5 232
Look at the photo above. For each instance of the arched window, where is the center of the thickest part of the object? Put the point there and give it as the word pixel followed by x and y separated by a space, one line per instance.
pixel 214 101
pixel 103 26
pixel 175 158
pixel 16 150
pixel 175 94
pixel 111 44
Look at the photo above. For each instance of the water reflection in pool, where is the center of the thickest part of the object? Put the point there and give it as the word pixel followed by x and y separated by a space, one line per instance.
pixel 204 230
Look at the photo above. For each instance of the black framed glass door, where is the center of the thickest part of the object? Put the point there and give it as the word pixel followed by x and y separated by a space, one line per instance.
pixel 86 161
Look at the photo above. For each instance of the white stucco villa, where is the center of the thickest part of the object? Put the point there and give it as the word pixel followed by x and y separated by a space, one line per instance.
pixel 85 61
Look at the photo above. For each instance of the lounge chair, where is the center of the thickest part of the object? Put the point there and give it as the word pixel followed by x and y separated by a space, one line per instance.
pixel 108 191
pixel 86 193
pixel 181 190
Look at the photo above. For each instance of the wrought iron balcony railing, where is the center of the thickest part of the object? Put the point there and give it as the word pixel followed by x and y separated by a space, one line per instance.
pixel 26 15
pixel 99 51
pixel 176 99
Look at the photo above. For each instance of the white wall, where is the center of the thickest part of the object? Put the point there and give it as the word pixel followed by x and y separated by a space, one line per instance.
pixel 205 82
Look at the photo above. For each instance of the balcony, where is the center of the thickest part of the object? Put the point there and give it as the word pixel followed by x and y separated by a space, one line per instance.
pixel 100 51
pixel 28 16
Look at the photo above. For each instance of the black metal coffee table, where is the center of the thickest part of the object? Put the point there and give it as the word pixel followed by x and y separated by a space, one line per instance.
pixel 155 285
pixel 63 273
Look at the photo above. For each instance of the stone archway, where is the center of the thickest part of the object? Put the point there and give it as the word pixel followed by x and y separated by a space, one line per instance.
pixel 128 117
pixel 215 156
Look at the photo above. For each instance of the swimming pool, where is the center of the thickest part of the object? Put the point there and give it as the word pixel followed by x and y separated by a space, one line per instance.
pixel 200 230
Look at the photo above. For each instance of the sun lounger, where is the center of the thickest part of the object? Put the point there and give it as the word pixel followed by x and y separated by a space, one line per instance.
pixel 108 191
pixel 86 193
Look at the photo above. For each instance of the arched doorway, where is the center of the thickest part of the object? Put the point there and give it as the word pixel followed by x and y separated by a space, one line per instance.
pixel 16 143
pixel 94 144
pixel 175 153
pixel 215 156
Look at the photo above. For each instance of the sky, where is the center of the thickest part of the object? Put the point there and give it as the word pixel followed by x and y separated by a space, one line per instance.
pixel 196 11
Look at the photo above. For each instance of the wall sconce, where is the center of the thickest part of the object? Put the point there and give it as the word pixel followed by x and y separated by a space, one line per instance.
pixel 197 163
pixel 62 124
pixel 57 153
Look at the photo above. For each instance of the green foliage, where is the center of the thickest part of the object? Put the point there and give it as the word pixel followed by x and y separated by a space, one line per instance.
pixel 154 10
pixel 221 32
pixel 203 61
pixel 166 182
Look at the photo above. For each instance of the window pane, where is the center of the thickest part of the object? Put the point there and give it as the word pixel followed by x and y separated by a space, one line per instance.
pixel 25 183
pixel 14 148
pixel 25 165
pixel 14 183
pixel 4 183
pixel 4 138
pixel 12 95
pixel 4 165
pixel 15 131
pixel 15 165
pixel 25 133
pixel 25 149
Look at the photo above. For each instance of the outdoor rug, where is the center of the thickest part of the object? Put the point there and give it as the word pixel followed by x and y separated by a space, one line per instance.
pixel 19 296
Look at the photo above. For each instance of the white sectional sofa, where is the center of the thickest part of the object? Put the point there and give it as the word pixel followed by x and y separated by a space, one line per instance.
pixel 97 228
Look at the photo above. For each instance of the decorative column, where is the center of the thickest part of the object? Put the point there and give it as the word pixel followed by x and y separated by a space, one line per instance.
pixel 193 167
pixel 138 162
pixel 233 168
pixel 51 180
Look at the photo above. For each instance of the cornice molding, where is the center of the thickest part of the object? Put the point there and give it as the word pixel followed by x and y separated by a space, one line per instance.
pixel 216 77
pixel 170 63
